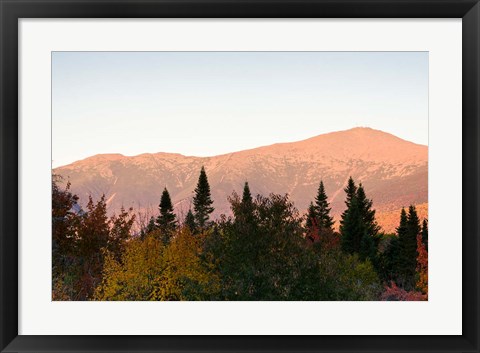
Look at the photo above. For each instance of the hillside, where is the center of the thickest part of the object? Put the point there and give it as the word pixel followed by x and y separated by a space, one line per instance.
pixel 393 171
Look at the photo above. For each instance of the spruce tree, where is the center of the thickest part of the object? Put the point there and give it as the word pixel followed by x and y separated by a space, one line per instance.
pixel 351 191
pixel 352 228
pixel 325 222
pixel 166 220
pixel 151 226
pixel 311 222
pixel 425 233
pixel 202 202
pixel 190 221
pixel 407 232
pixel 402 263
pixel 246 206
pixel 368 214
pixel 358 227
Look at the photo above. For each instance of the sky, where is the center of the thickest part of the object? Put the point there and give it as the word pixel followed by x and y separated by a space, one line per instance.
pixel 211 103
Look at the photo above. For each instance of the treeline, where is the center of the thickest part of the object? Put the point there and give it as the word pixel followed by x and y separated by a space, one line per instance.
pixel 265 251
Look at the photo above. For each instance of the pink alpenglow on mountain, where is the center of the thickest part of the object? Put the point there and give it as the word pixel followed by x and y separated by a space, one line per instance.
pixel 393 171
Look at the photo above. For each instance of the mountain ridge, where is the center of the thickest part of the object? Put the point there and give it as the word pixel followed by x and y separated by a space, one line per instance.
pixel 394 172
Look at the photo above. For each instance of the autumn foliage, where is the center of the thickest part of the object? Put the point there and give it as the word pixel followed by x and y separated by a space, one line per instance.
pixel 266 250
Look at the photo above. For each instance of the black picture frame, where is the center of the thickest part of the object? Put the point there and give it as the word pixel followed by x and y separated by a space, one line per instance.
pixel 12 10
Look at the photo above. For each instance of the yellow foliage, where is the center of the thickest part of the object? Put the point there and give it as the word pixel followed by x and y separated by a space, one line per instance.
pixel 149 270
pixel 185 276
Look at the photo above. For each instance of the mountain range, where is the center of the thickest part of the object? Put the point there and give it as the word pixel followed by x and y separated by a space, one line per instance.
pixel 393 171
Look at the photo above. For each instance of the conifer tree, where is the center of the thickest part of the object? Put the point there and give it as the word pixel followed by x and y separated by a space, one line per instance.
pixel 190 221
pixel 425 233
pixel 408 231
pixel 202 202
pixel 351 191
pixel 311 222
pixel 151 226
pixel 358 227
pixel 246 206
pixel 166 220
pixel 352 227
pixel 368 213
pixel 325 222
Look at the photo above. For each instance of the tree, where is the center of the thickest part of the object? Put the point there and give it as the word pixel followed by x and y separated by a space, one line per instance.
pixel 64 222
pixel 358 227
pixel 202 201
pixel 93 237
pixel 190 221
pixel 408 231
pixel 120 231
pixel 352 228
pixel 425 233
pixel 325 221
pixel 151 226
pixel 422 267
pixel 166 220
pixel 311 223
pixel 244 211
pixel 351 191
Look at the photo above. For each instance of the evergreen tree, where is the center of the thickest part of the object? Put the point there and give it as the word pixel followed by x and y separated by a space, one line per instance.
pixel 166 221
pixel 358 227
pixel 425 233
pixel 325 222
pixel 202 202
pixel 151 226
pixel 408 231
pixel 246 206
pixel 352 228
pixel 190 222
pixel 311 222
pixel 351 191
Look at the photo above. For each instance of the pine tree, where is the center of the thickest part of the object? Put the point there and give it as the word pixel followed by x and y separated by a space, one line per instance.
pixel 358 227
pixel 151 226
pixel 425 233
pixel 166 220
pixel 408 231
pixel 311 222
pixel 325 222
pixel 351 191
pixel 202 202
pixel 246 206
pixel 190 222
pixel 367 212
pixel 402 236
pixel 352 228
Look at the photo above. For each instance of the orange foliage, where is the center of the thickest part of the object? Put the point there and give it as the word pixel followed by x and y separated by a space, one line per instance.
pixel 422 266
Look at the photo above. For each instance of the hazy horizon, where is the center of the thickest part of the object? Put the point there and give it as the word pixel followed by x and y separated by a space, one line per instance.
pixel 212 103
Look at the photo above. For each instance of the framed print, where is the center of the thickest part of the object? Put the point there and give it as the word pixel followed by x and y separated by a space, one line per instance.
pixel 239 176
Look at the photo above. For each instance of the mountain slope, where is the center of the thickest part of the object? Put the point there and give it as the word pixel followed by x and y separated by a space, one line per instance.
pixel 393 171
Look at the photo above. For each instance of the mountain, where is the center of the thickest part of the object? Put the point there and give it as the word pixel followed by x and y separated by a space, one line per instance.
pixel 393 171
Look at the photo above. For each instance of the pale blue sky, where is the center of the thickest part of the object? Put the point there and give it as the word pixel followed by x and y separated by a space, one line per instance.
pixel 210 103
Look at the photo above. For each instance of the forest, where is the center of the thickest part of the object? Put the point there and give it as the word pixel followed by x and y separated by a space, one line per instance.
pixel 266 250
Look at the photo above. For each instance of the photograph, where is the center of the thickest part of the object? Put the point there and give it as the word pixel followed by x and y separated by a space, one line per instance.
pixel 240 176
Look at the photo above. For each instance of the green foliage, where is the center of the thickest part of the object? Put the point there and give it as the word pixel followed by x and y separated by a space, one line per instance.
pixel 261 253
pixel 322 209
pixel 166 220
pixel 190 222
pixel 358 227
pixel 425 233
pixel 311 223
pixel 64 225
pixel 202 201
